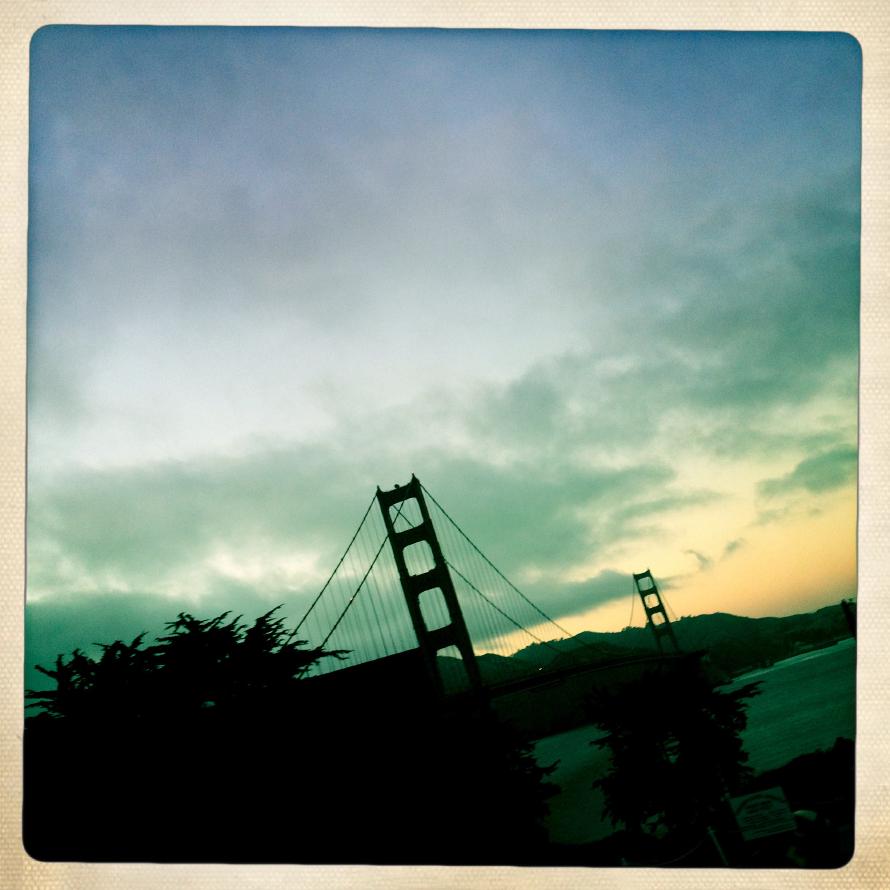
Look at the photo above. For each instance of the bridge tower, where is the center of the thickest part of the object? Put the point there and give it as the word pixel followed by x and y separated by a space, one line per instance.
pixel 656 616
pixel 432 583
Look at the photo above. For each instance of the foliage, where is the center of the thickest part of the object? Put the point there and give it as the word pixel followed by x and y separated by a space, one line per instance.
pixel 197 664
pixel 675 747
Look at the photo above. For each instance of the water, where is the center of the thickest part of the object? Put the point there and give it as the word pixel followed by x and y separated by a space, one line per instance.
pixel 805 703
pixel 575 813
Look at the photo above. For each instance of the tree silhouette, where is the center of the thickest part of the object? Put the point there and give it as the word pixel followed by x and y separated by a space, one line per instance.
pixel 199 663
pixel 676 751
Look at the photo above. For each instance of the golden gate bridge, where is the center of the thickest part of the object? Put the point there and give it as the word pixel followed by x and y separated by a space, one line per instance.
pixel 412 592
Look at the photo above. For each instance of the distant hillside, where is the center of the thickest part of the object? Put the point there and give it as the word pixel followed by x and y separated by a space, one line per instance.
pixel 492 668
pixel 735 644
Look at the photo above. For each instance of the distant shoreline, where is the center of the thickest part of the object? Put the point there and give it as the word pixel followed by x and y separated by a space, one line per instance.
pixel 808 650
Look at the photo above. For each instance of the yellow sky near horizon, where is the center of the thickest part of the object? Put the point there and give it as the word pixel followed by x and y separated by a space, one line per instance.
pixel 797 565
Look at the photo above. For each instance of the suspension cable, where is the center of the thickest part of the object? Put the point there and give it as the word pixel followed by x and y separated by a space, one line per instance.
pixel 499 609
pixel 336 568
pixel 364 578
pixel 355 594
pixel 633 602
pixel 504 577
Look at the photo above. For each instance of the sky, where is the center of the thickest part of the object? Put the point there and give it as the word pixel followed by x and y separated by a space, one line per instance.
pixel 598 290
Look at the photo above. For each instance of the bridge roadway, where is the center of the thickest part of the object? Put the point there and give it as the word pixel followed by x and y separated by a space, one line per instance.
pixel 548 677
pixel 557 700
pixel 543 703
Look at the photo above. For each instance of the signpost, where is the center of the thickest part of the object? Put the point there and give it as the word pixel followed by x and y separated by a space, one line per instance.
pixel 762 813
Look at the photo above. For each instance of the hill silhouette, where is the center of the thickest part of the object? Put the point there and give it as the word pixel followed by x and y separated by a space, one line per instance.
pixel 734 643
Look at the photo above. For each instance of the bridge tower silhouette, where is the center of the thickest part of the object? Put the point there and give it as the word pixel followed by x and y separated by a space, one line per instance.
pixel 656 614
pixel 435 582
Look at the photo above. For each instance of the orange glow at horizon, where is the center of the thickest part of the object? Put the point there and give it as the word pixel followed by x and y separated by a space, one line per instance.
pixel 783 568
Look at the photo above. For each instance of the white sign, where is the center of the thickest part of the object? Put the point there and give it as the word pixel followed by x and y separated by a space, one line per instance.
pixel 762 813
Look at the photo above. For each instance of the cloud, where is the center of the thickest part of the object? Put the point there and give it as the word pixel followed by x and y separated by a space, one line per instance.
pixel 704 562
pixel 132 526
pixel 557 598
pixel 567 599
pixel 667 504
pixel 815 475
pixel 733 546
pixel 767 517
pixel 321 221
pixel 167 525
pixel 753 295
pixel 724 362
pixel 543 514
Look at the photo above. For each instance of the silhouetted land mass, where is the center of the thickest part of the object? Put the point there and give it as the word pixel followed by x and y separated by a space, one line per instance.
pixel 212 745
pixel 734 644
pixel 676 758
pixel 492 669
pixel 819 788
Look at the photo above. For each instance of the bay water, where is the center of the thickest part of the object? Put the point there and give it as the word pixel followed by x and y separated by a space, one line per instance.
pixel 804 704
